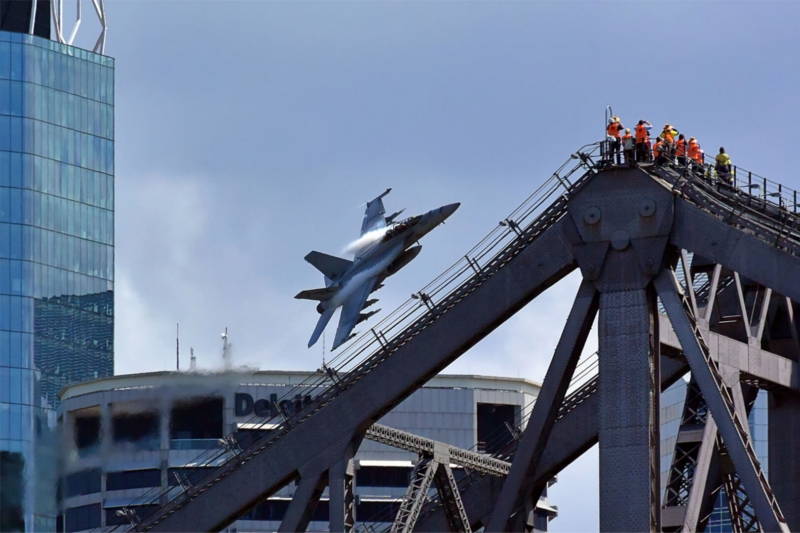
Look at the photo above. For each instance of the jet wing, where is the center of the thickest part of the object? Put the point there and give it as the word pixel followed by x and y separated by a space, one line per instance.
pixel 374 215
pixel 351 309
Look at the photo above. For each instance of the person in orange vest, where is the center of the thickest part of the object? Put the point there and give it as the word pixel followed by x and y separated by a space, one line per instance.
pixel 660 151
pixel 680 149
pixel 614 131
pixel 695 155
pixel 628 147
pixel 642 132
pixel 648 149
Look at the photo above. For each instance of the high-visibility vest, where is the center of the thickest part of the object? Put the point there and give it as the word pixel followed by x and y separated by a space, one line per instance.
pixel 614 128
pixel 658 147
pixel 694 152
pixel 641 133
pixel 625 138
pixel 668 136
pixel 680 147
pixel 723 160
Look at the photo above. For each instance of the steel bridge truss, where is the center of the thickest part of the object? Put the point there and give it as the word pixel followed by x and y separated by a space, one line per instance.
pixel 683 274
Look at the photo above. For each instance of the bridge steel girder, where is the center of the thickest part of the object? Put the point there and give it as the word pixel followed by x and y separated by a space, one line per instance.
pixel 309 489
pixel 752 257
pixel 629 431
pixel 572 435
pixel 346 418
pixel 545 410
pixel 730 419
pixel 480 498
pixel 745 358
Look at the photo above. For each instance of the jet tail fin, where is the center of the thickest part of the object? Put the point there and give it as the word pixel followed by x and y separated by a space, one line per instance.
pixel 318 294
pixel 321 323
pixel 332 267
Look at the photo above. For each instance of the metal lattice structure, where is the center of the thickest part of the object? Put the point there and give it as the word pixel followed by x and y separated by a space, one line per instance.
pixel 683 272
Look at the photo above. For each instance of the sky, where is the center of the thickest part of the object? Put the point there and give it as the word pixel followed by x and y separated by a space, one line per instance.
pixel 250 133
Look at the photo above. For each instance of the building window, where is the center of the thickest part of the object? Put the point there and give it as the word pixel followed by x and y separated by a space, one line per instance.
pixel 139 428
pixel 383 476
pixel 377 511
pixel 493 434
pixel 84 482
pixel 268 510
pixel 133 479
pixel 87 432
pixel 274 510
pixel 83 517
pixel 199 419
pixel 12 489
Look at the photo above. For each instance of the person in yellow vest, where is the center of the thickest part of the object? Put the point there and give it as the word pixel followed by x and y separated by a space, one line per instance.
pixel 614 131
pixel 723 166
pixel 668 134
pixel 628 147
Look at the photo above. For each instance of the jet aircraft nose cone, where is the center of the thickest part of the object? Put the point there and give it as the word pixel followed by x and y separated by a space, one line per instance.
pixel 449 209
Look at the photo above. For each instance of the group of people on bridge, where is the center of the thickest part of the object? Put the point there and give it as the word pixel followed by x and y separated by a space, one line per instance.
pixel 670 146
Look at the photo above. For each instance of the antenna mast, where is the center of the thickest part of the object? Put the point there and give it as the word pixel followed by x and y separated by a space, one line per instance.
pixel 225 354
pixel 178 347
pixel 192 359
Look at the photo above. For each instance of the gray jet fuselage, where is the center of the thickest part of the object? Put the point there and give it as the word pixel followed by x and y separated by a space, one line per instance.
pixel 348 284
pixel 394 251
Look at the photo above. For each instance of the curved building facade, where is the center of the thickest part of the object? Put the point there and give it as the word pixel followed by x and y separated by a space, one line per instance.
pixel 56 252
pixel 126 439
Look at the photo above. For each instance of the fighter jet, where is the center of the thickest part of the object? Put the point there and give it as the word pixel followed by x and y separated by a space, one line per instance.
pixel 385 247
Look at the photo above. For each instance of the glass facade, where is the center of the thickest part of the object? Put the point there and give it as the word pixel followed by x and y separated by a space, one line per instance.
pixel 56 254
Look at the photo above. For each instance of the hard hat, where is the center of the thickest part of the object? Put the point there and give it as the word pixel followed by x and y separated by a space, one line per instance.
pixel 627 130
pixel 610 121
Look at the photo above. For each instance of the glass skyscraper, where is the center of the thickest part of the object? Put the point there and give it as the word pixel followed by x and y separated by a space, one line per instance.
pixel 56 254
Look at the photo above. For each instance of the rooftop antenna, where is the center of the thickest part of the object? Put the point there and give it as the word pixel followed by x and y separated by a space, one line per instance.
pixel 192 359
pixel 178 347
pixel 225 354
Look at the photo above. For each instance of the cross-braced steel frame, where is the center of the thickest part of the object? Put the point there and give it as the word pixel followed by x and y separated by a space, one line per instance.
pixel 682 274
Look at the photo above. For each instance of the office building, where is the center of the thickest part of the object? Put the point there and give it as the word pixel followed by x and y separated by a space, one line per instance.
pixel 127 439
pixel 56 247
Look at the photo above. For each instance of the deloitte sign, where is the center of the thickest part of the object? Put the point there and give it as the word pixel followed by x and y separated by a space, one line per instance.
pixel 245 405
